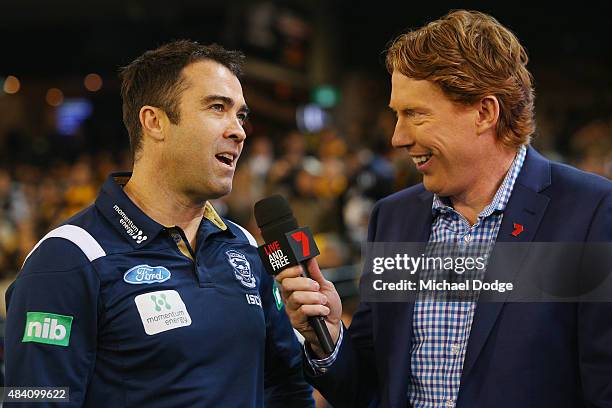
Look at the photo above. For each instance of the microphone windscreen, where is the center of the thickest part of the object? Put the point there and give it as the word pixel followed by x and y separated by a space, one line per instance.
pixel 274 217
pixel 271 208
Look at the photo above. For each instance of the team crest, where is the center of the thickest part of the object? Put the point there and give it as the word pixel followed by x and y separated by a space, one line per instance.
pixel 242 268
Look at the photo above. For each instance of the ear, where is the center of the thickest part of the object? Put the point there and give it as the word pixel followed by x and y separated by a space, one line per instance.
pixel 488 114
pixel 153 121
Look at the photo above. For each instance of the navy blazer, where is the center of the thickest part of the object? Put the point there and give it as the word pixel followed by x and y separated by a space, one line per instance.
pixel 518 354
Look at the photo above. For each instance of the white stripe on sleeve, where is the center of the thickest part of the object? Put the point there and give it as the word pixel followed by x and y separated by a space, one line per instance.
pixel 77 236
pixel 250 237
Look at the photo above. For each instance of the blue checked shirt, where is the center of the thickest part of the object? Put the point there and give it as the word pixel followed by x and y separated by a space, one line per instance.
pixel 442 328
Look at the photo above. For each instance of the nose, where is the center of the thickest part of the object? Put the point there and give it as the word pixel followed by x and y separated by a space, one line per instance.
pixel 402 135
pixel 235 131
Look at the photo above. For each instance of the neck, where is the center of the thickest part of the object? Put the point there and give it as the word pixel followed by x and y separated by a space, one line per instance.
pixel 481 191
pixel 163 204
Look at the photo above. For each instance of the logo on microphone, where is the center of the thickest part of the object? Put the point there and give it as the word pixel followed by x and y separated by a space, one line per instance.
pixel 242 268
pixel 276 258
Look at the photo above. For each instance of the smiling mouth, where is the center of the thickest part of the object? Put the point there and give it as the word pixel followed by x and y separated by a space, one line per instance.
pixel 225 158
pixel 420 160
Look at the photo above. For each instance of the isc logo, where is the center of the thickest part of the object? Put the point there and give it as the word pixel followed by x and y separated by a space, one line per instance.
pixel 47 328
pixel 253 299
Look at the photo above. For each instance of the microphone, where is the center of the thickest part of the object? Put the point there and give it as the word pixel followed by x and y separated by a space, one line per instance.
pixel 288 245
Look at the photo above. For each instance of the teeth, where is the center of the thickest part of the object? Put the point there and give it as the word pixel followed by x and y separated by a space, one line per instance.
pixel 418 160
pixel 228 157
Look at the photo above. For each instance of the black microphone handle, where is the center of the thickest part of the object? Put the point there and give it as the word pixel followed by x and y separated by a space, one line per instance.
pixel 318 325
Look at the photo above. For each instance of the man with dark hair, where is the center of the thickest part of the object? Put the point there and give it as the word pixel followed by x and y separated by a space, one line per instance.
pixel 464 104
pixel 149 297
pixel 155 79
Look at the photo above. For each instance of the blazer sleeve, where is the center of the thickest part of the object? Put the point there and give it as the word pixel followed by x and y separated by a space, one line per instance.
pixel 351 381
pixel 595 324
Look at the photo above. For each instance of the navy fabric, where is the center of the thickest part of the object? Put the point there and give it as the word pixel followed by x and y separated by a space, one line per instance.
pixel 238 351
pixel 518 354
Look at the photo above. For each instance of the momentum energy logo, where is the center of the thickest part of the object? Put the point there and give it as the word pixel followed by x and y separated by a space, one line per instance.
pixel 47 328
pixel 132 230
pixel 161 311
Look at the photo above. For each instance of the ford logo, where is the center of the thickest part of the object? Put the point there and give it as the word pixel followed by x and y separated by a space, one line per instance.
pixel 146 274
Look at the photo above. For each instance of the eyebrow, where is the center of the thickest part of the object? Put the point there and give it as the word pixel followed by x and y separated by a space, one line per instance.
pixel 226 100
pixel 411 110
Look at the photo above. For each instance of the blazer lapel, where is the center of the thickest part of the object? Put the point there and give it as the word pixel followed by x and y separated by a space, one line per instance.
pixel 421 225
pixel 520 223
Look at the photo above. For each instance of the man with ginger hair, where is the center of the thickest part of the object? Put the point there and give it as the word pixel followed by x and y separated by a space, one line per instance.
pixel 465 114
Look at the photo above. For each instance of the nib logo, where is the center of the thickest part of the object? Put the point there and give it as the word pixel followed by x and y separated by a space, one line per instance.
pixel 47 328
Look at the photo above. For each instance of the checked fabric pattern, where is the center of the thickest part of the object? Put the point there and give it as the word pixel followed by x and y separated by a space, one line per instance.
pixel 442 320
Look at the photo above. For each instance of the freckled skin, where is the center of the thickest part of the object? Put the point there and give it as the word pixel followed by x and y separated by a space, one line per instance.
pixel 429 122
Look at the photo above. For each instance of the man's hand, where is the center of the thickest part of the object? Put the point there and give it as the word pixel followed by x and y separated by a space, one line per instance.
pixel 305 297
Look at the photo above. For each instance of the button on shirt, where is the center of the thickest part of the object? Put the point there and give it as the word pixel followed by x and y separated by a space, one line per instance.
pixel 442 328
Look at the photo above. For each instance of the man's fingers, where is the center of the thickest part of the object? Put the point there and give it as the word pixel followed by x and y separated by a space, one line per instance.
pixel 295 271
pixel 292 272
pixel 300 284
pixel 297 299
pixel 314 271
pixel 314 310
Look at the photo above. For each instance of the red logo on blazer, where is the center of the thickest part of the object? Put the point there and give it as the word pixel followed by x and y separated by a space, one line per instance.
pixel 518 228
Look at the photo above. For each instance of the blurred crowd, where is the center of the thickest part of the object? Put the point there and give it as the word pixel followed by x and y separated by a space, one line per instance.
pixel 330 184
pixel 331 180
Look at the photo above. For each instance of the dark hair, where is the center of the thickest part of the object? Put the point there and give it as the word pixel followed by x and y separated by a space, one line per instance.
pixel 469 54
pixel 155 78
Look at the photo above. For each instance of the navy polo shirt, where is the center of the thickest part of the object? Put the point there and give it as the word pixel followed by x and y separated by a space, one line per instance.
pixel 124 312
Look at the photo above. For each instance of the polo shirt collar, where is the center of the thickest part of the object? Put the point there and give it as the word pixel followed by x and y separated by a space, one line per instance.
pixel 130 221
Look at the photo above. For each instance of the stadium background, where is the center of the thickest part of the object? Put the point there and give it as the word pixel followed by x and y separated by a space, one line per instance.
pixel 315 81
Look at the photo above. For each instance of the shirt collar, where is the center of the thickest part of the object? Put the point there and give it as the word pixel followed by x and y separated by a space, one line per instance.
pixel 211 215
pixel 129 220
pixel 442 205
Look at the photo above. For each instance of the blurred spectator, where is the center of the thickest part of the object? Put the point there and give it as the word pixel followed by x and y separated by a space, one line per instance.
pixel 249 181
pixel 50 205
pixel 591 148
pixel 81 191
pixel 14 220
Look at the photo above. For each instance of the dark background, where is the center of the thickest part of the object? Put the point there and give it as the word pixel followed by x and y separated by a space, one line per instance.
pixel 57 43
